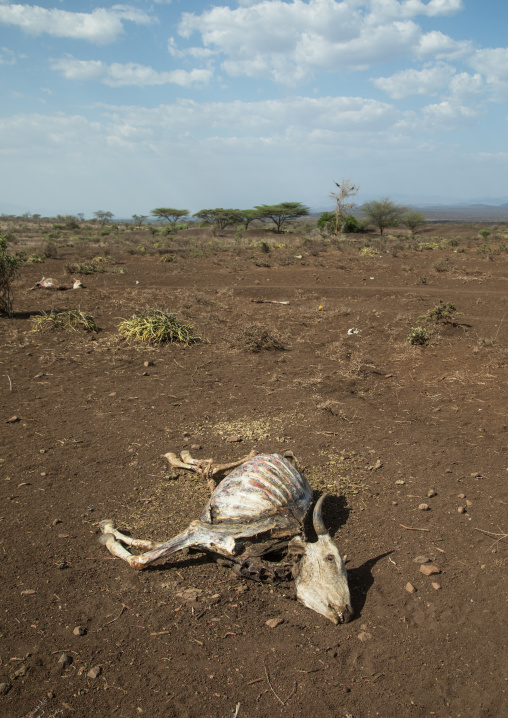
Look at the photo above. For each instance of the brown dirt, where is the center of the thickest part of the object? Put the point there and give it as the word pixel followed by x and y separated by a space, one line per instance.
pixel 362 412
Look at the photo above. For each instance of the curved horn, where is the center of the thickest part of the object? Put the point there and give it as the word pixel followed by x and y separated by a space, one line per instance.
pixel 317 518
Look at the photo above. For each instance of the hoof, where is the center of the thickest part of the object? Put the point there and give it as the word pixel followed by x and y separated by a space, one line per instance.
pixel 106 524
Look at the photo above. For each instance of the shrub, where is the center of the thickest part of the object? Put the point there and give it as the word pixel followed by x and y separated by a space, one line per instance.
pixel 9 267
pixel 50 250
pixel 444 313
pixel 484 233
pixel 351 225
pixel 69 319
pixel 34 259
pixel 419 336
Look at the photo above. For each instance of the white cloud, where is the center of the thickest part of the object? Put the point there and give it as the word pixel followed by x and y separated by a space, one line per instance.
pixel 119 75
pixel 416 82
pixel 289 41
pixel 449 115
pixel 100 26
pixel 438 46
pixel 7 57
pixel 493 63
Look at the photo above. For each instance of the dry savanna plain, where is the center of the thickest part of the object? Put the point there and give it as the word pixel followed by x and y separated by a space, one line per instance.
pixel 410 440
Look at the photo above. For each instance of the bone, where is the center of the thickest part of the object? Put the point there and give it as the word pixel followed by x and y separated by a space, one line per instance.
pixel 107 526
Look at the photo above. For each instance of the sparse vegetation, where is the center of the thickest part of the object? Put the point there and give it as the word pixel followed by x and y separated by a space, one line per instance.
pixel 9 267
pixel 383 213
pixel 418 336
pixel 442 313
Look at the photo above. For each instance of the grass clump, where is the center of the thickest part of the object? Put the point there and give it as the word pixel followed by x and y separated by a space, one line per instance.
pixel 66 319
pixel 157 326
pixel 257 338
pixel 34 259
pixel 442 313
pixel 84 268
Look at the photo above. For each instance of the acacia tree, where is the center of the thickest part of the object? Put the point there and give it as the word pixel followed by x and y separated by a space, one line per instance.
pixel 346 189
pixel 220 218
pixel 139 219
pixel 248 215
pixel 280 213
pixel 383 213
pixel 103 217
pixel 169 214
pixel 413 220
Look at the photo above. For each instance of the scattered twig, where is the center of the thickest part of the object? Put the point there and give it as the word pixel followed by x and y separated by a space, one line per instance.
pixel 10 382
pixel 235 714
pixel 411 528
pixel 282 702
pixel 116 619
pixel 267 301
pixel 493 535
pixel 256 680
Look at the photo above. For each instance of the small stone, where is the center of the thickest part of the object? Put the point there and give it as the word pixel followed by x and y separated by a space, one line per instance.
pixel 424 507
pixel 400 482
pixel 461 496
pixel 410 588
pixel 62 565
pixel 21 672
pixel 422 559
pixel 79 631
pixel 274 622
pixel 364 636
pixel 42 451
pixel 476 475
pixel 13 420
pixel 395 503
pixel 145 373
pixel 234 439
pixel 429 569
pixel 65 660
pixel 448 471
pixel 148 363
pixel 55 522
pixel 469 503
pixel 28 592
pixel 431 493
pixel 435 586
pixel 4 688
pixel 196 447
pixel 461 510
pixel 94 672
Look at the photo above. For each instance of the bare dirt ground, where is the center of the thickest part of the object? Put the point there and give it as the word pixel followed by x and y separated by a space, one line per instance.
pixel 377 422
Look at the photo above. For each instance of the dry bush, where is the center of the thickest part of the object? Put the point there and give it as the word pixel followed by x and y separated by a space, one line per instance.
pixel 256 338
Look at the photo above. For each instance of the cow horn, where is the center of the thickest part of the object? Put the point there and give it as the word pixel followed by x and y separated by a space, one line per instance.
pixel 317 518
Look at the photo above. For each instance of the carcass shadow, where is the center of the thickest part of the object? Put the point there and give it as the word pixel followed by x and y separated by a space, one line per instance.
pixel 360 581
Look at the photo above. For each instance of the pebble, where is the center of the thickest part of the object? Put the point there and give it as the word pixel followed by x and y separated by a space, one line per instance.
pixel 395 503
pixel 65 660
pixel 13 420
pixel 461 496
pixel 429 569
pixel 274 622
pixel 431 493
pixel 424 507
pixel 476 475
pixel 94 672
pixel 4 688
pixel 56 521
pixel 22 671
pixel 469 503
pixel 196 447
pixel 410 588
pixel 234 439
pixel 435 586
pixel 148 363
pixel 461 510
pixel 422 559
pixel 399 482
pixel 79 631
pixel 28 592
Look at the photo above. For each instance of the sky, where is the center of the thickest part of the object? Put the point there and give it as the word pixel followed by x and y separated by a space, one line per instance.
pixel 194 104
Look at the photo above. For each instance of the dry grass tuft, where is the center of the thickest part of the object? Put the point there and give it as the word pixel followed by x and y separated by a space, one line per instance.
pixel 67 319
pixel 256 338
pixel 157 326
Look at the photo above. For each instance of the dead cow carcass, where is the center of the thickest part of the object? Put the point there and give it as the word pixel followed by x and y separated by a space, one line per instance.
pixel 254 521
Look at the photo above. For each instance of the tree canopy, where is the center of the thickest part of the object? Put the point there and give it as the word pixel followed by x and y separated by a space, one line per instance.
pixel 413 220
pixel 169 214
pixel 103 217
pixel 383 213
pixel 219 217
pixel 280 213
pixel 343 208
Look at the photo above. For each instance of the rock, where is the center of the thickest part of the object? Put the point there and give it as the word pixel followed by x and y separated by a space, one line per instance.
pixel 21 672
pixel 274 622
pixel 94 672
pixel 395 503
pixel 429 569
pixel 410 588
pixel 424 507
pixel 79 631
pixel 28 592
pixel 364 636
pixel 196 447
pixel 476 475
pixel 189 594
pixel 234 439
pixel 422 559
pixel 461 496
pixel 431 493
pixel 148 363
pixel 435 586
pixel 461 510
pixel 65 660
pixel 4 688
pixel 469 503
pixel 399 482
pixel 55 522
pixel 13 420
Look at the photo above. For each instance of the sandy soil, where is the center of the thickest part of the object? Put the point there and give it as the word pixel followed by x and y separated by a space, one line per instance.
pixel 374 420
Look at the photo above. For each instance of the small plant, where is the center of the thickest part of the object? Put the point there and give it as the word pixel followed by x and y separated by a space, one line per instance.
pixel 83 268
pixel 9 267
pixel 264 247
pixel 168 258
pixel 69 319
pixel 444 313
pixel 418 336
pixel 484 233
pixel 157 326
pixel 369 251
pixel 50 250
pixel 256 338
pixel 34 259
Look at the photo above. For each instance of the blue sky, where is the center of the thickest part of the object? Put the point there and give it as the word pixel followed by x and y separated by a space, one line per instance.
pixel 195 104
